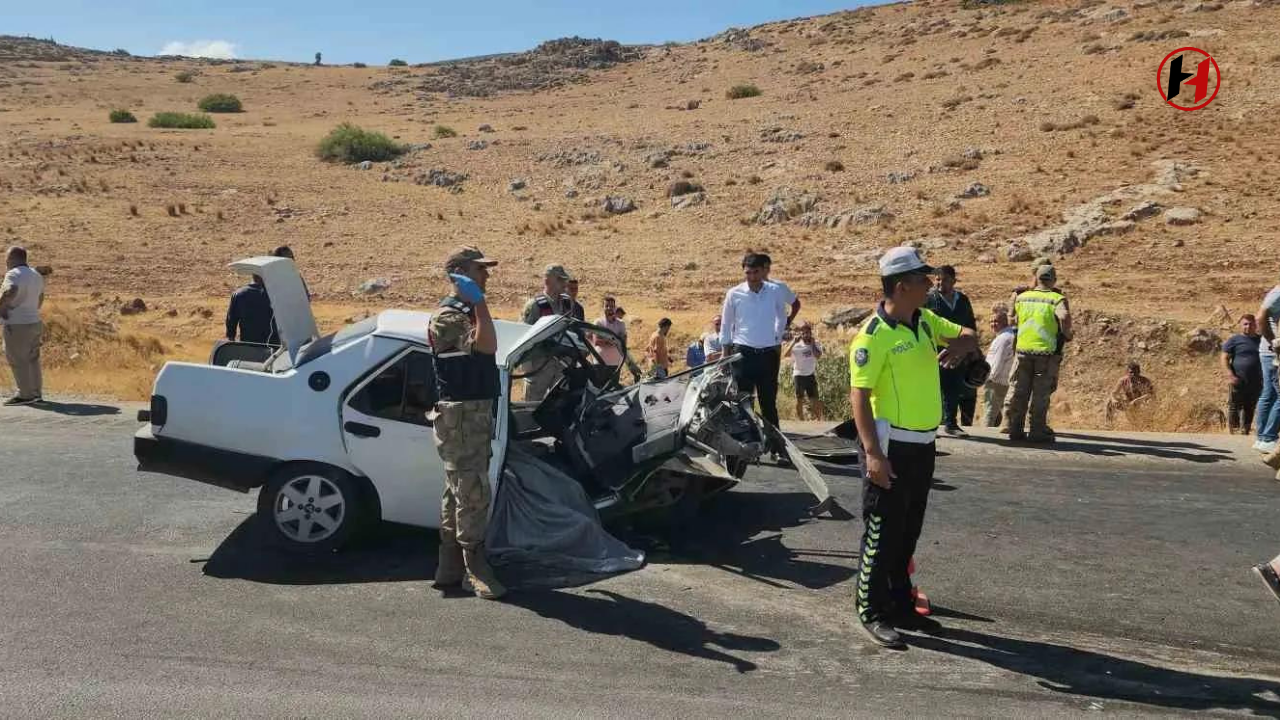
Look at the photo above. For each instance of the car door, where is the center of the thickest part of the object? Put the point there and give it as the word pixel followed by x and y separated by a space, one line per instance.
pixel 390 440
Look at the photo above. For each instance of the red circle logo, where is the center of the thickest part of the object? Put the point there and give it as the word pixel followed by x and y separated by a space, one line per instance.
pixel 1188 78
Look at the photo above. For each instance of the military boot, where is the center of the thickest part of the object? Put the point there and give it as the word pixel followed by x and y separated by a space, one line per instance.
pixel 1272 460
pixel 450 567
pixel 480 577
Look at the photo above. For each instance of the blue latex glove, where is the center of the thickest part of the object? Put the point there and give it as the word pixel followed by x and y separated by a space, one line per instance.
pixel 468 290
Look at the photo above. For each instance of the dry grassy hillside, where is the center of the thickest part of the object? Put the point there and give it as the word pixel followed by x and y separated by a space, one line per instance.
pixel 869 129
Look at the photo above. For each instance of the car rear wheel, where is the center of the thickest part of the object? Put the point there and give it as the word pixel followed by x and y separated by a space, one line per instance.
pixel 311 508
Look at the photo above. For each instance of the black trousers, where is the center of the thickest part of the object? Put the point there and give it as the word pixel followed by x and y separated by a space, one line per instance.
pixel 1241 405
pixel 957 398
pixel 892 522
pixel 757 373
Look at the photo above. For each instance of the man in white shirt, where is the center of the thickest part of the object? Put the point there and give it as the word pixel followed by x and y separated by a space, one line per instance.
pixel 1000 357
pixel 804 352
pixel 21 295
pixel 752 322
pixel 793 300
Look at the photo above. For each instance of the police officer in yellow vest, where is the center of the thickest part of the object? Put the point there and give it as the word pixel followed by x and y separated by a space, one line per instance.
pixel 896 396
pixel 1043 317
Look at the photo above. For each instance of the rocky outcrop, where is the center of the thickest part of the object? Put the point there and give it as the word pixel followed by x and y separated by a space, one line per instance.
pixel 571 157
pixel 1182 216
pixel 1202 340
pixel 845 317
pixel 688 200
pixel 779 134
pixel 786 204
pixel 617 205
pixel 442 178
pixel 1092 219
pixel 554 63
pixel 374 286
pixel 865 215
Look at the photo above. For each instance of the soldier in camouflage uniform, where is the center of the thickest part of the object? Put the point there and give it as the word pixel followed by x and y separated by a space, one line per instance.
pixel 463 343
pixel 542 374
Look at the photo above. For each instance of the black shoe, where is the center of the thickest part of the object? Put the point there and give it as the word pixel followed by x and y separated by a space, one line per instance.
pixel 1042 438
pixel 912 621
pixel 1269 578
pixel 1017 436
pixel 955 431
pixel 15 401
pixel 883 634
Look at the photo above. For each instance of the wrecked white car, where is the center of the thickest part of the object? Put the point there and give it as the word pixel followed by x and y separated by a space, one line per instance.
pixel 334 428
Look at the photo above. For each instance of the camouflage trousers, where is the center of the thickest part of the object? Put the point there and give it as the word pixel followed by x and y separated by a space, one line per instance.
pixel 464 434
pixel 1032 382
pixel 537 385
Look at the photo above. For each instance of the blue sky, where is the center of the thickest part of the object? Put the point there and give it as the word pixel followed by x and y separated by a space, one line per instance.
pixel 374 31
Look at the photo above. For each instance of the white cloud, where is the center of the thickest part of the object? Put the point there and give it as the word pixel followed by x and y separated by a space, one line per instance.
pixel 201 48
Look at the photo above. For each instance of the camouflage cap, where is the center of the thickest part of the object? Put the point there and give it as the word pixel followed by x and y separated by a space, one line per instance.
pixel 557 271
pixel 467 254
pixel 1046 271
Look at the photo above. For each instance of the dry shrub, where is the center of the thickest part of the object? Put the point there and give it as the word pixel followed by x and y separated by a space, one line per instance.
pixel 1171 414
pixel 82 355
pixel 1125 101
pixel 1082 122
pixel 548 228
pixel 1019 205
pixel 960 162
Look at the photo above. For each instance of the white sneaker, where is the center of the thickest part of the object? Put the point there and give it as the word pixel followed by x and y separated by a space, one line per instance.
pixel 1266 448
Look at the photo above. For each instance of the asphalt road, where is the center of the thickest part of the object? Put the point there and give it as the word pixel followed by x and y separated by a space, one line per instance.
pixel 1109 574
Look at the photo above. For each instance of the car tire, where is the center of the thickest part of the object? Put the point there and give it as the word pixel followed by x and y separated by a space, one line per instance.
pixel 312 508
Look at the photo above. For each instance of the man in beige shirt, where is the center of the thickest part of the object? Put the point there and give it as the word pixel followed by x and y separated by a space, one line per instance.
pixel 21 295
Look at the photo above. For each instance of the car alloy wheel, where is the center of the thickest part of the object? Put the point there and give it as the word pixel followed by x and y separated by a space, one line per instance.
pixel 309 508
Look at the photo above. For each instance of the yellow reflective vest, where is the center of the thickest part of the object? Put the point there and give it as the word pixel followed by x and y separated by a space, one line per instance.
pixel 1036 311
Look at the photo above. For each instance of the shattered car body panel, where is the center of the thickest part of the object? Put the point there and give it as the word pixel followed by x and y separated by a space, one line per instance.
pixel 643 446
